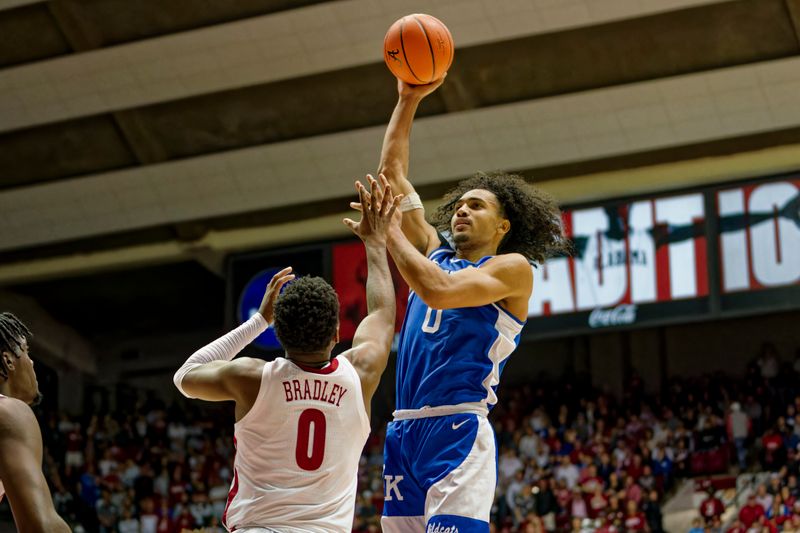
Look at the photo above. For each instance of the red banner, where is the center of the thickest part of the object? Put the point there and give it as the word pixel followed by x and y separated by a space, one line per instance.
pixel 350 279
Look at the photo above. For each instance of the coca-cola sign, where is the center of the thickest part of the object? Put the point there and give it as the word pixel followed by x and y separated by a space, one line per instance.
pixel 616 316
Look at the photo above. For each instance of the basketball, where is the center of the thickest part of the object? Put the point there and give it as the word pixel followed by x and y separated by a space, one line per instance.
pixel 418 49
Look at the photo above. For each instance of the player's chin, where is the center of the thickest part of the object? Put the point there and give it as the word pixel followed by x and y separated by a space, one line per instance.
pixel 37 398
pixel 460 237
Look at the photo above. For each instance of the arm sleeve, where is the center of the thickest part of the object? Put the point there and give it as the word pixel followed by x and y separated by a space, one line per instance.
pixel 224 348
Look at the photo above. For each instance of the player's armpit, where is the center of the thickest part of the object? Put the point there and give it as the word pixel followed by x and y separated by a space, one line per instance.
pixel 503 277
pixel 21 471
pixel 419 232
pixel 369 355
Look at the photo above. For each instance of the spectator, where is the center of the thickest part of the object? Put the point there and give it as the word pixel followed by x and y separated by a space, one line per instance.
pixel 546 504
pixel 614 514
pixel 739 427
pixel 774 487
pixel 647 481
pixel 715 526
pixel 662 465
pixel 165 524
pixel 774 454
pixel 712 507
pixel 768 361
pixel 63 501
pixel 652 513
pixel 128 524
pixel 697 526
pixel 514 488
pixel 508 466
pixel 763 498
pixel 597 503
pixel 590 482
pixel 577 507
pixel 107 513
pixel 524 504
pixel 737 527
pixel 751 512
pixel 567 472
pixel 778 512
pixel 633 492
pixel 529 443
pixel 148 519
pixel 184 520
pixel 634 519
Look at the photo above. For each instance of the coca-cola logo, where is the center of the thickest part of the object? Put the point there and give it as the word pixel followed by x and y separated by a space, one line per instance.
pixel 615 316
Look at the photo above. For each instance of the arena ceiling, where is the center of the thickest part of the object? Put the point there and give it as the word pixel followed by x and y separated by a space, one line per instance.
pixel 150 132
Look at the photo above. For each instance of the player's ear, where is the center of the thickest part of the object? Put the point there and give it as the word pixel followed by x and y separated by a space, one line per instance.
pixel 504 226
pixel 8 361
pixel 337 333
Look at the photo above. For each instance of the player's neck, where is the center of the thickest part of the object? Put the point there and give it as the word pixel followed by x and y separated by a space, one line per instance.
pixel 317 359
pixel 5 389
pixel 473 255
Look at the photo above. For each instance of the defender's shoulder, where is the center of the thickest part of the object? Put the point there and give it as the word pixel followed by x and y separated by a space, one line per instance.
pixel 16 417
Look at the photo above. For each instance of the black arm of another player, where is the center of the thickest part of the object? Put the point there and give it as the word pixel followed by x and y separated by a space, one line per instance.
pixel 21 471
pixel 373 338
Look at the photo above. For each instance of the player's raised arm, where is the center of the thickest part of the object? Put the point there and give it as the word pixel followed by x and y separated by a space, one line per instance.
pixel 21 470
pixel 394 164
pixel 210 374
pixel 373 338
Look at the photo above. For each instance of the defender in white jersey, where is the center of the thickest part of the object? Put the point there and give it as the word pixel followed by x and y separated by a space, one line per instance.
pixel 302 420
pixel 467 307
pixel 21 477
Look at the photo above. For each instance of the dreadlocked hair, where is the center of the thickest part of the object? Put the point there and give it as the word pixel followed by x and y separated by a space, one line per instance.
pixel 12 333
pixel 306 315
pixel 536 229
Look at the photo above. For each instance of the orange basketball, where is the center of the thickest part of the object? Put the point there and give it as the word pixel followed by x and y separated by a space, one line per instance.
pixel 418 49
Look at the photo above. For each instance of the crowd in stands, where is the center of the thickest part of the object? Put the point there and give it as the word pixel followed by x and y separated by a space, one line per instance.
pixel 571 458
pixel 767 425
pixel 143 470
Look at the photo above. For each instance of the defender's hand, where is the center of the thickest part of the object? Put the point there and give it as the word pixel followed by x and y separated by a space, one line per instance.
pixel 378 211
pixel 273 290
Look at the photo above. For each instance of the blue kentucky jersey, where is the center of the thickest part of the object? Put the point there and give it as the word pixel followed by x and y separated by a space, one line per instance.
pixel 453 356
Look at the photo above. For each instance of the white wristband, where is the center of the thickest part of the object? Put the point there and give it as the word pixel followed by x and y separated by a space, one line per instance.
pixel 411 202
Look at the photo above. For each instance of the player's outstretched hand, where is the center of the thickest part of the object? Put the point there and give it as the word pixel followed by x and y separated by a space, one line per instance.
pixel 406 90
pixel 378 208
pixel 273 290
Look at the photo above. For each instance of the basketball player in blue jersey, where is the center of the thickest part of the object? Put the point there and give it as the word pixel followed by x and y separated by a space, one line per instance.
pixel 467 306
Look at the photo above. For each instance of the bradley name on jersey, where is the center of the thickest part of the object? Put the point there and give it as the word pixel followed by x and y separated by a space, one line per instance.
pixel 316 389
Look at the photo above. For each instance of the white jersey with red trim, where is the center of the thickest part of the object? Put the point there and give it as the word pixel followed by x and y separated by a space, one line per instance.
pixel 297 450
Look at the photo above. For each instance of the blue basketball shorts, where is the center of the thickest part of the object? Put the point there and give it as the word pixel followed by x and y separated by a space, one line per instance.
pixel 439 475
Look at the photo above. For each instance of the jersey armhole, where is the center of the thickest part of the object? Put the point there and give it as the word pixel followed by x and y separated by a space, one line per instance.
pixel 509 314
pixel 362 411
pixel 444 246
pixel 262 391
pixel 445 241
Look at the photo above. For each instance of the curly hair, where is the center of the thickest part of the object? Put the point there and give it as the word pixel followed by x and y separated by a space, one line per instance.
pixel 12 333
pixel 306 315
pixel 536 229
